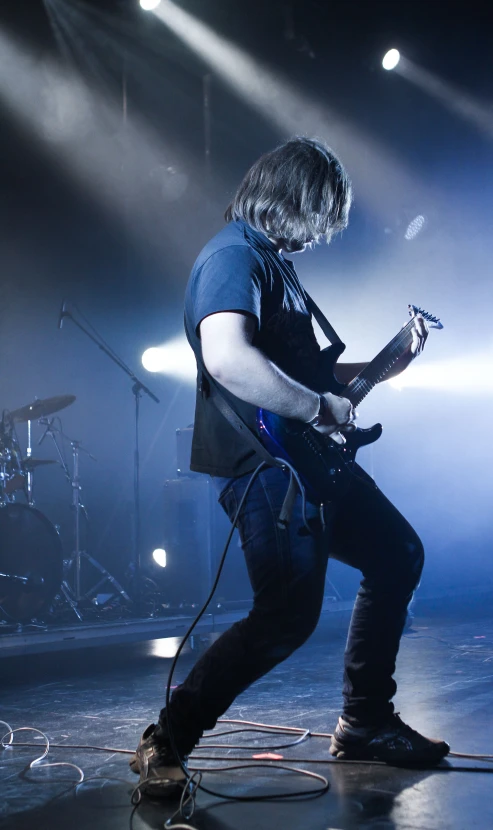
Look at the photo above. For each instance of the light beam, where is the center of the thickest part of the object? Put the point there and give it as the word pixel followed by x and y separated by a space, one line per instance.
pixel 84 132
pixel 462 376
pixel 455 99
pixel 379 178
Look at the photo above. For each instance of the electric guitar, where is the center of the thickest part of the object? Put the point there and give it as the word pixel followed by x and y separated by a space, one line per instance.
pixel 326 468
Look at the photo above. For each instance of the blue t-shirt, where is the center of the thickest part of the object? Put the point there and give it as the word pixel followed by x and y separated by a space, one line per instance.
pixel 240 270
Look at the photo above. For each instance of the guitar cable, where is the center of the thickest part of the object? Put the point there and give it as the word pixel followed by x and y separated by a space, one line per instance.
pixel 194 774
pixel 193 781
pixel 187 802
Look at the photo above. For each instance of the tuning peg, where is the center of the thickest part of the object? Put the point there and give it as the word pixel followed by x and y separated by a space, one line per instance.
pixel 435 321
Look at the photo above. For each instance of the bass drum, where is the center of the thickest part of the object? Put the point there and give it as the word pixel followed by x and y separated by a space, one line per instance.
pixel 31 562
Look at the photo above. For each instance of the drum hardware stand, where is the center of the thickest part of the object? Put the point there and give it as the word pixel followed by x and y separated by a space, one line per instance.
pixel 4 459
pixel 29 478
pixel 137 389
pixel 10 455
pixel 73 594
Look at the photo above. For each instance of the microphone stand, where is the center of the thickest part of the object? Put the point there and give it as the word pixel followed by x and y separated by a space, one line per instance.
pixel 138 388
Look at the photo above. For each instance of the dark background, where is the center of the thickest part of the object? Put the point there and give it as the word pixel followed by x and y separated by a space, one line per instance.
pixel 109 213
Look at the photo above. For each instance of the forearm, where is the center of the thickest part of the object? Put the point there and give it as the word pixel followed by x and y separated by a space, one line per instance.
pixel 250 376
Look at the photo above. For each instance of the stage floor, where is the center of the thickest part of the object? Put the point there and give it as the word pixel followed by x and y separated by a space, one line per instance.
pixel 107 695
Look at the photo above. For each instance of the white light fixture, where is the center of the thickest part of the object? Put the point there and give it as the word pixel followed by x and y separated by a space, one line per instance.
pixel 153 360
pixel 391 59
pixel 159 556
pixel 415 226
pixel 174 358
pixel 149 5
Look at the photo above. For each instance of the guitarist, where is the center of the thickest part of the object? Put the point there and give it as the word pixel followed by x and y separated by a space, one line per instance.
pixel 247 318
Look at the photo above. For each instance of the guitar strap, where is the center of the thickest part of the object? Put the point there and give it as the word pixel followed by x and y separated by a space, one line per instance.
pixel 322 321
pixel 209 387
pixel 249 437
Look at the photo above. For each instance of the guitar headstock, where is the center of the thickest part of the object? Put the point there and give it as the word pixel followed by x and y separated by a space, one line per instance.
pixel 433 321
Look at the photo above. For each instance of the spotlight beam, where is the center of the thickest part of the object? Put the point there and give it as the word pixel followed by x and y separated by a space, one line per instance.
pixel 380 180
pixel 84 133
pixel 456 100
pixel 474 372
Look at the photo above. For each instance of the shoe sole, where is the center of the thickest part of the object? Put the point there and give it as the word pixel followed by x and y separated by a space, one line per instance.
pixel 159 787
pixel 347 753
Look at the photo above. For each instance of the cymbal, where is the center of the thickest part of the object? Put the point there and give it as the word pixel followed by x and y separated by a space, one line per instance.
pixel 42 408
pixel 31 463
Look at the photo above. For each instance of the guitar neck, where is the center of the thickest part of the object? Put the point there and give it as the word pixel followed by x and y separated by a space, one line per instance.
pixel 379 367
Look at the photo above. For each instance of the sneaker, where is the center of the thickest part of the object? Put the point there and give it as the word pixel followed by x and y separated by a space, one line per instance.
pixel 160 774
pixel 393 742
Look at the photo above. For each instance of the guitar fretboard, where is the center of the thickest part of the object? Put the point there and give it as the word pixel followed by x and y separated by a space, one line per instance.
pixel 379 367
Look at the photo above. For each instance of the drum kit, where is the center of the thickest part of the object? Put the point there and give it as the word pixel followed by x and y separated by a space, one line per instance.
pixel 33 570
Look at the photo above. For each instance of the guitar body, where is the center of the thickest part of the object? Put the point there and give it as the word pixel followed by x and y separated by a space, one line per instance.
pixel 325 468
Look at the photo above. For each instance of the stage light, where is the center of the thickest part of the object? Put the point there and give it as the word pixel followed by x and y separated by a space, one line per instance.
pixel 153 360
pixel 159 556
pixel 165 648
pixel 175 359
pixel 415 226
pixel 149 5
pixel 391 59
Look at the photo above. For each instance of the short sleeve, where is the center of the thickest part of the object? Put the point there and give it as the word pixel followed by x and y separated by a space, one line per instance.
pixel 231 279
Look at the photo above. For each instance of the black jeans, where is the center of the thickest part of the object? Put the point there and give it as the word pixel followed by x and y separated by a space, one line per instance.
pixel 287 570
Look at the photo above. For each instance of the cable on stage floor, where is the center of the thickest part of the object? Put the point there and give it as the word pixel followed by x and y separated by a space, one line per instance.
pixel 194 775
pixel 227 764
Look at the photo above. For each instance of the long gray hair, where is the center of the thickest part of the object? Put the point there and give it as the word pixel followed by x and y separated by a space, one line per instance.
pixel 298 192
